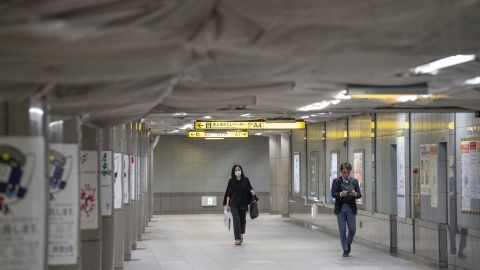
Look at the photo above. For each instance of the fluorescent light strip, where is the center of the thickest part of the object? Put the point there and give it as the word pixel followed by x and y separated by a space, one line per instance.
pixel 433 67
pixel 472 81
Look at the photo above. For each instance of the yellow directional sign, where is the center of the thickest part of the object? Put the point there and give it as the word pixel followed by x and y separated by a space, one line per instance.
pixel 228 125
pixel 218 134
pixel 248 125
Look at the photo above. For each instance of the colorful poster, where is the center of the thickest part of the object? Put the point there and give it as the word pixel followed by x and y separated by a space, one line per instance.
pixel 313 186
pixel 470 157
pixel 133 178
pixel 428 172
pixel 88 190
pixel 63 234
pixel 117 181
pixel 333 173
pixel 22 203
pixel 106 179
pixel 296 175
pixel 126 178
pixel 358 173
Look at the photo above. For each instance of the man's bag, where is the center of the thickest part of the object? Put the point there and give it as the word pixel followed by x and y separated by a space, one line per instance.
pixel 253 208
pixel 227 219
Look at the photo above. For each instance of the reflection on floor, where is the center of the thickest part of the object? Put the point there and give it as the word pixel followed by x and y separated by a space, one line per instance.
pixel 271 242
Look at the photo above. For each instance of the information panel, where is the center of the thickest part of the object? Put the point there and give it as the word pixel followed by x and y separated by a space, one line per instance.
pixel 133 178
pixel 126 178
pixel 117 181
pixel 22 203
pixel 296 175
pixel 333 173
pixel 106 179
pixel 358 173
pixel 88 190
pixel 64 205
pixel 470 157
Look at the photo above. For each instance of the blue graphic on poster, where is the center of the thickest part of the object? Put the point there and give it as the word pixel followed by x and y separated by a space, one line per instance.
pixel 22 203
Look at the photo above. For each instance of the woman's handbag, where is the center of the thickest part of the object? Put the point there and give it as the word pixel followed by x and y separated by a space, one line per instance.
pixel 253 208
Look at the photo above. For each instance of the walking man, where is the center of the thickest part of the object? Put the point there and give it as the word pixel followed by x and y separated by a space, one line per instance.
pixel 346 190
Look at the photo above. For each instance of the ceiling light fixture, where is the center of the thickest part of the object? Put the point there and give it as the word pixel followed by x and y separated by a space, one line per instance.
pixel 315 106
pixel 245 115
pixel 435 66
pixel 258 134
pixel 407 98
pixel 305 117
pixel 343 95
pixel 187 126
pixel 180 114
pixel 207 117
pixel 472 81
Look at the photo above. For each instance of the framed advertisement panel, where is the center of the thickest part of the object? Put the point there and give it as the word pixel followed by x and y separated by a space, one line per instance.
pixel 313 183
pixel 359 173
pixel 333 157
pixel 296 175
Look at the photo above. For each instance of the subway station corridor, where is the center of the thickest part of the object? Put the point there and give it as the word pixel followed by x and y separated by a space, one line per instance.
pixel 184 242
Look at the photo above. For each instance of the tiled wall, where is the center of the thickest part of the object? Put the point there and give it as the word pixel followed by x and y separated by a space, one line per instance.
pixel 438 233
pixel 184 169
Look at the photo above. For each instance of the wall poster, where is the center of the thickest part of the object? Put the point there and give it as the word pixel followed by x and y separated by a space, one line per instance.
pixel 470 158
pixel 88 190
pixel 22 203
pixel 359 173
pixel 296 175
pixel 333 173
pixel 133 178
pixel 117 181
pixel 63 204
pixel 313 186
pixel 401 176
pixel 428 172
pixel 106 179
pixel 126 178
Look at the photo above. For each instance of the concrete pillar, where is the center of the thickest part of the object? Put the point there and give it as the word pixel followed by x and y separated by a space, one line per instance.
pixel 134 184
pixel 127 203
pixel 106 177
pixel 90 214
pixel 63 158
pixel 23 163
pixel 118 209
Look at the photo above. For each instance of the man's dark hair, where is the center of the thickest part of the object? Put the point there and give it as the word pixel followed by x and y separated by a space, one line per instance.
pixel 345 165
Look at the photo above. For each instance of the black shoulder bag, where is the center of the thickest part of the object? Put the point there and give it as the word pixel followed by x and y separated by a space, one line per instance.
pixel 253 208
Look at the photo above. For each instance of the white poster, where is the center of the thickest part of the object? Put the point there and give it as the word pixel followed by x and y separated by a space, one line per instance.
pixel 358 173
pixel 470 157
pixel 296 175
pixel 401 165
pixel 117 180
pixel 401 176
pixel 106 179
pixel 433 175
pixel 133 178
pixel 138 178
pixel 88 190
pixel 64 205
pixel 333 173
pixel 428 172
pixel 22 203
pixel 125 178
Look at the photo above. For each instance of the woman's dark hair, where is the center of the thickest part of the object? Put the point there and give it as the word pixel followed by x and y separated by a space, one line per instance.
pixel 233 171
pixel 345 165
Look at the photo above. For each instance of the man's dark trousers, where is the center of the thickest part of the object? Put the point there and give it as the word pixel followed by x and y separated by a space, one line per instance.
pixel 346 218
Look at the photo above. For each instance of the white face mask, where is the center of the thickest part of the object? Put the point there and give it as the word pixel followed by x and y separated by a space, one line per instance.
pixel 238 173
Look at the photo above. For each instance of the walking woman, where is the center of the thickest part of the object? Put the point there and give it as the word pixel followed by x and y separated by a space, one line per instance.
pixel 238 196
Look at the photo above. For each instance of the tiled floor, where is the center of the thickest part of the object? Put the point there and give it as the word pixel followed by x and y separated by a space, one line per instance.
pixel 271 242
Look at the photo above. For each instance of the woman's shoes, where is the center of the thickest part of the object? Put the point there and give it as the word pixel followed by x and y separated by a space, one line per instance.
pixel 238 242
pixel 241 238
